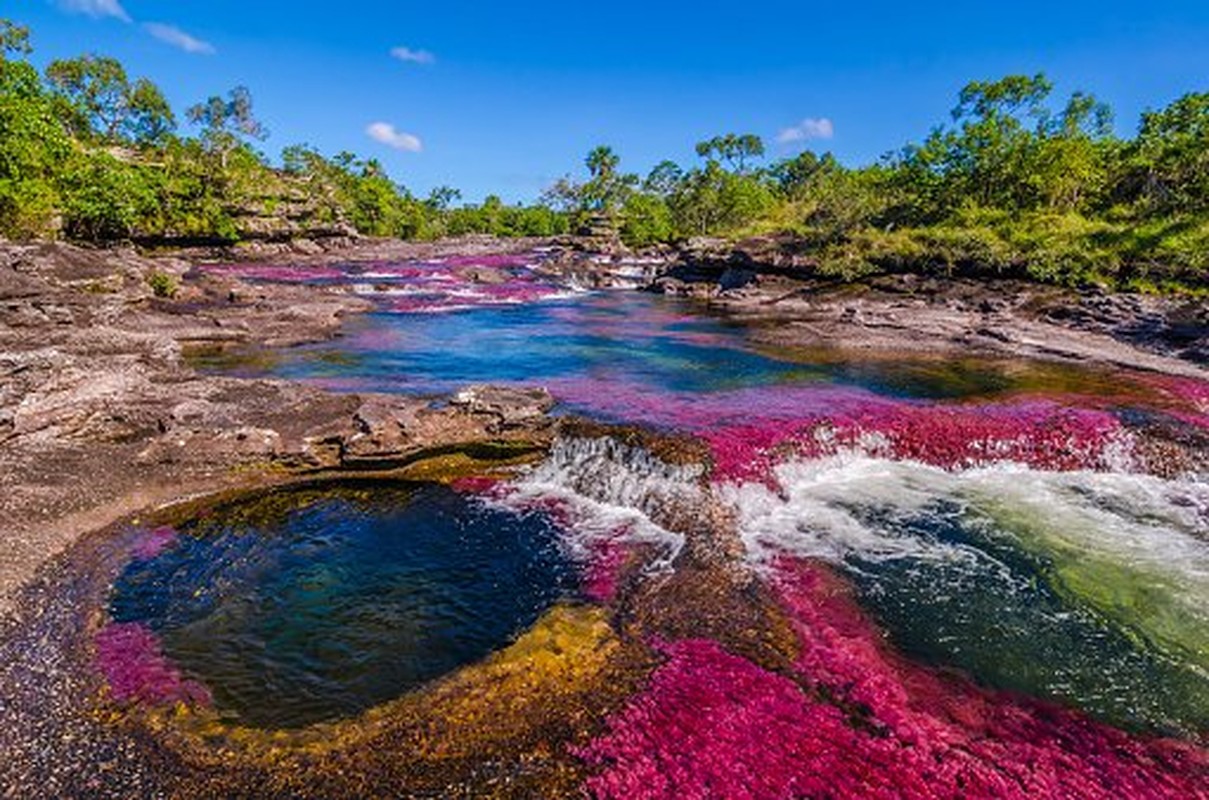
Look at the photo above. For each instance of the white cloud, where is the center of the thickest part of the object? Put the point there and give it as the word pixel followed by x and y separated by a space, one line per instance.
pixel 806 130
pixel 390 136
pixel 96 8
pixel 413 56
pixel 178 38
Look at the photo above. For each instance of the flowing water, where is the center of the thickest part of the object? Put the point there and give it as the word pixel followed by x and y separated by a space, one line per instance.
pixel 1083 587
pixel 993 518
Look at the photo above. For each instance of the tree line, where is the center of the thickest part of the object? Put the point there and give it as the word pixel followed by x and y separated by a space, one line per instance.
pixel 90 153
pixel 1016 182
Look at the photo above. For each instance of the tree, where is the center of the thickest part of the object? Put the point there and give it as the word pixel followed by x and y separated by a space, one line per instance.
pixel 602 162
pixel 712 200
pixel 14 39
pixel 733 149
pixel 1171 155
pixel 606 190
pixel 101 99
pixel 1007 150
pixel 664 180
pixel 103 198
pixel 794 175
pixel 225 121
pixel 34 149
pixel 990 151
pixel 646 219
pixel 441 197
pixel 151 118
pixel 1070 165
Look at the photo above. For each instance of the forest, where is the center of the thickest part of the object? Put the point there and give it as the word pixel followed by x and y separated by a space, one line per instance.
pixel 1017 182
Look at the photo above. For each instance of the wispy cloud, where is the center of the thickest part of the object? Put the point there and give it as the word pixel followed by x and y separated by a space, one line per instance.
pixel 807 129
pixel 412 56
pixel 177 38
pixel 390 136
pixel 96 8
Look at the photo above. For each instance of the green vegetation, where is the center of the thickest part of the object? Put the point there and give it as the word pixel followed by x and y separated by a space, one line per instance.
pixel 1014 184
pixel 162 284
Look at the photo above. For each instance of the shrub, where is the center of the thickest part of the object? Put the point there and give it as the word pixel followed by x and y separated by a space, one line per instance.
pixel 163 284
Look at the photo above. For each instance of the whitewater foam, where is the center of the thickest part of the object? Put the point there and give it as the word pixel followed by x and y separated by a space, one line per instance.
pixel 610 492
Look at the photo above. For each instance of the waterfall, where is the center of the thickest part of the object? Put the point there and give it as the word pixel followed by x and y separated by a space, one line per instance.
pixel 609 491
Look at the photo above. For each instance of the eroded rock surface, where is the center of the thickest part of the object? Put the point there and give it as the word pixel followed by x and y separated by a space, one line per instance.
pixel 776 278
pixel 100 416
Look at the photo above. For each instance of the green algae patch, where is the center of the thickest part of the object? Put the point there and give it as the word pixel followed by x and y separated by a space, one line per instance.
pixel 1142 584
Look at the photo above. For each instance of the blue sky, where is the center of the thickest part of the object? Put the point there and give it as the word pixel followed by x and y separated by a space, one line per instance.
pixel 504 98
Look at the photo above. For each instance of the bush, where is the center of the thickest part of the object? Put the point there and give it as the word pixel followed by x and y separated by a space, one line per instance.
pixel 163 284
pixel 104 199
pixel 646 220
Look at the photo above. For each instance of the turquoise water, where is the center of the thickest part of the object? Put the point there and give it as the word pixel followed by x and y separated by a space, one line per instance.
pixel 626 340
pixel 999 616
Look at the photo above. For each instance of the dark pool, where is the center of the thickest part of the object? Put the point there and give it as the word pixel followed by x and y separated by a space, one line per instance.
pixel 299 606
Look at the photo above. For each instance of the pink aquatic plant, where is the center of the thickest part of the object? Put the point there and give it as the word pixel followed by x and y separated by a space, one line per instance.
pixel 1189 390
pixel 750 430
pixel 695 412
pixel 1041 435
pixel 130 657
pixel 855 720
pixel 150 543
pixel 418 287
pixel 1187 398
pixel 475 484
pixel 602 569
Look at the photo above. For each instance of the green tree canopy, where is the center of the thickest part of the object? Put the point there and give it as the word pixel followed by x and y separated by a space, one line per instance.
pixel 14 39
pixel 100 99
pixel 1172 154
pixel 733 149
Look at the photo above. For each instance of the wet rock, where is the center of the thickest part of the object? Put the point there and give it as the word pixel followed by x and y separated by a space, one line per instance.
pixel 735 278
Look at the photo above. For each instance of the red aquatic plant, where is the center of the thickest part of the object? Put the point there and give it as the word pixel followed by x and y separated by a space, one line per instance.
pixel 854 720
pixel 475 484
pixel 130 657
pixel 603 568
pixel 1187 399
pixel 1040 434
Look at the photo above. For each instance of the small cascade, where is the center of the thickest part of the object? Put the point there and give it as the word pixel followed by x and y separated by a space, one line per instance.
pixel 610 492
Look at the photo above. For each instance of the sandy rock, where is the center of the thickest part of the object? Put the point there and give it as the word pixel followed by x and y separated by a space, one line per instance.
pixel 505 406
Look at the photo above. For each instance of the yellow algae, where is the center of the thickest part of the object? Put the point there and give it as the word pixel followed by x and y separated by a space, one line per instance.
pixel 519 708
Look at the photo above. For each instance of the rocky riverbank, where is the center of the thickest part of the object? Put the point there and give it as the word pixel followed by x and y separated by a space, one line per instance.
pixel 771 278
pixel 100 416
